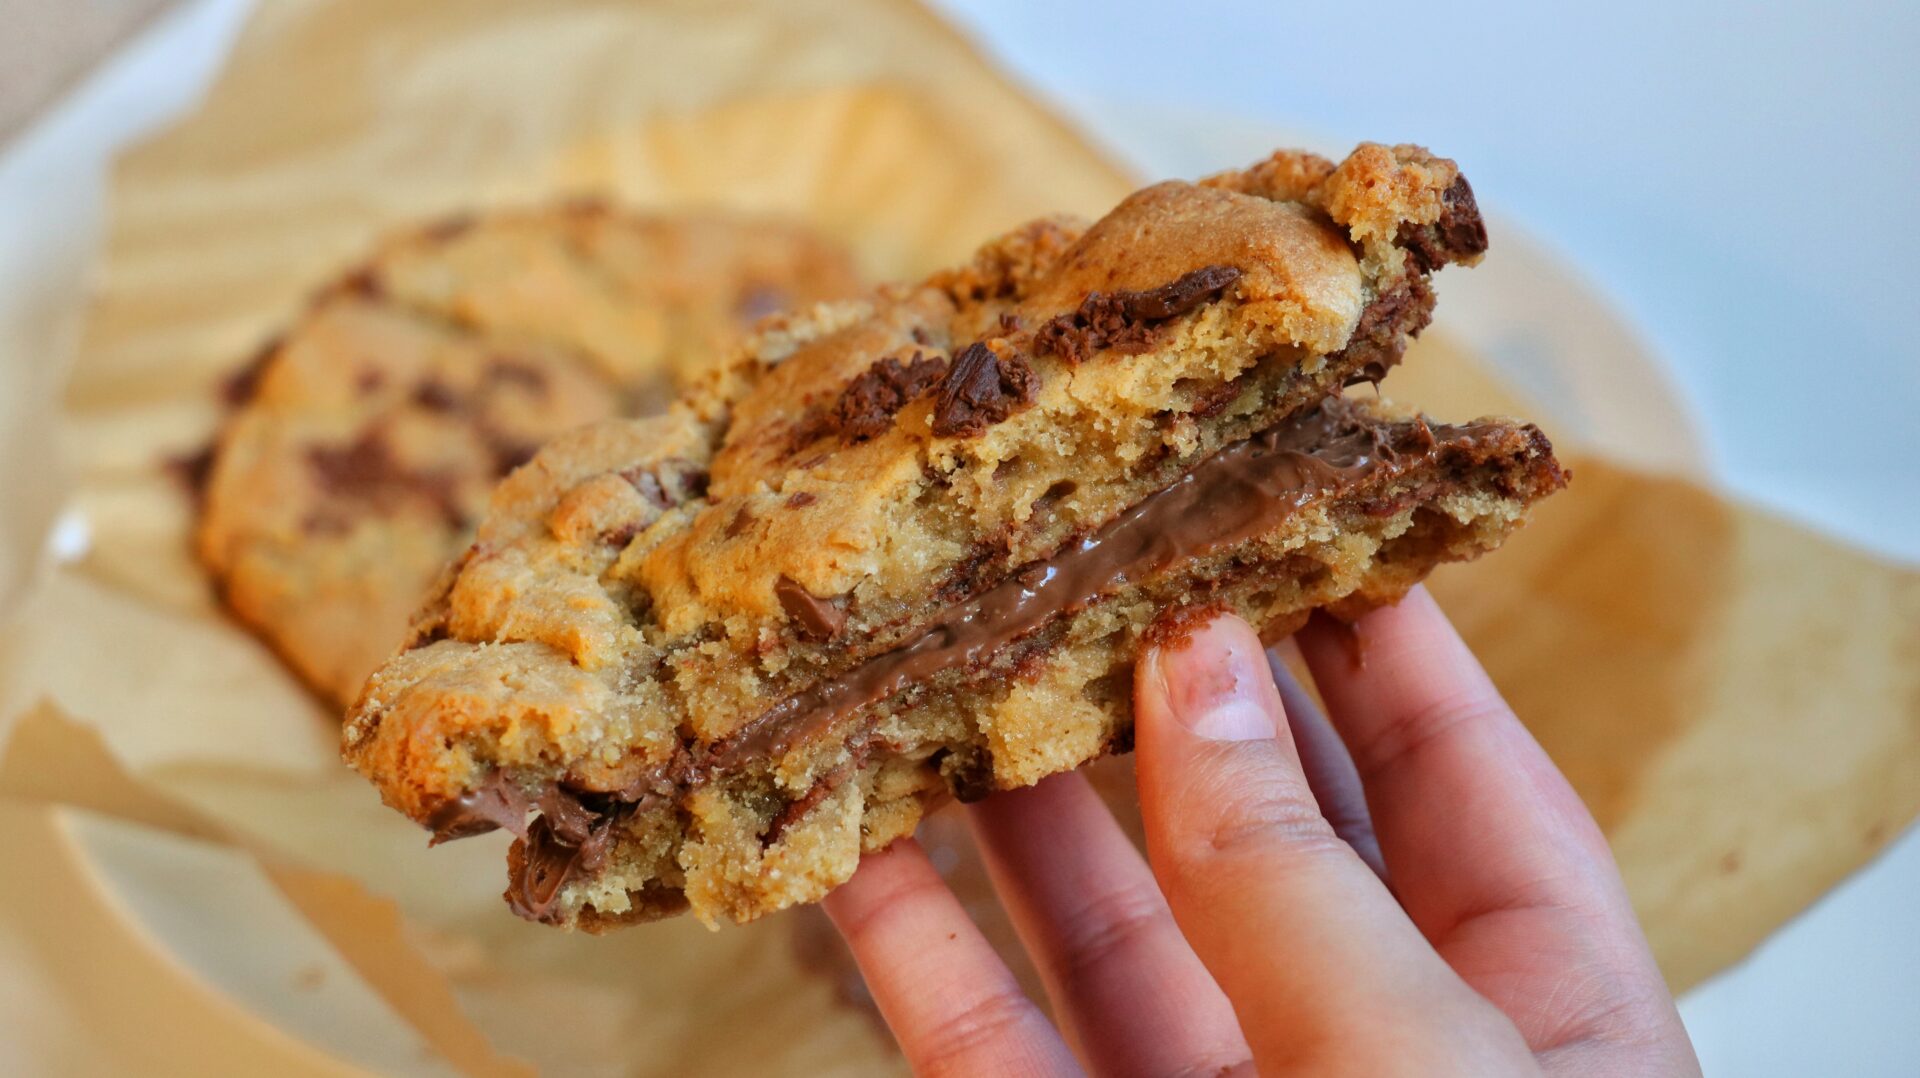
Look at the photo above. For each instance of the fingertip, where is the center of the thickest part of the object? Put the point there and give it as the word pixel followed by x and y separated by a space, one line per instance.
pixel 879 873
pixel 1215 752
pixel 1212 682
pixel 1242 850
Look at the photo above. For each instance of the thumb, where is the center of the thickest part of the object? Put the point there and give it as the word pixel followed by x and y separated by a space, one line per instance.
pixel 1309 946
pixel 1218 765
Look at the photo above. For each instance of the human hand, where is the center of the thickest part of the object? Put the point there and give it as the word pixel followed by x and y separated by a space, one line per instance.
pixel 1412 888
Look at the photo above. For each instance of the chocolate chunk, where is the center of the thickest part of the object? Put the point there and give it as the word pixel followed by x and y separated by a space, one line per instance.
pixel 569 817
pixel 448 228
pixel 1099 323
pixel 621 534
pixel 1460 232
pixel 801 500
pixel 1124 321
pixel 510 371
pixel 649 486
pixel 982 388
pixel 363 464
pixel 969 775
pixel 240 386
pixel 742 520
pixel 541 864
pixel 367 471
pixel 815 423
pixel 571 835
pixel 508 452
pixel 364 282
pixel 1171 629
pixel 819 619
pixel 435 396
pixel 1177 298
pixel 495 802
pixel 544 866
pixel 691 478
pixel 1386 326
pixel 193 470
pixel 669 483
pixel 867 406
pixel 971 572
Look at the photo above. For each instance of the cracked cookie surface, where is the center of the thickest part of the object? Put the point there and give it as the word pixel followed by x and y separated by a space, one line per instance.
pixel 362 444
pixel 908 547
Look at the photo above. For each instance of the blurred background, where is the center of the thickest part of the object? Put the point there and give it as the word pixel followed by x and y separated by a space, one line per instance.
pixel 1728 190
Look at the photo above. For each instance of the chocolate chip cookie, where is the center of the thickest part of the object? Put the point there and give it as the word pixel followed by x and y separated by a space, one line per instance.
pixel 909 547
pixel 361 446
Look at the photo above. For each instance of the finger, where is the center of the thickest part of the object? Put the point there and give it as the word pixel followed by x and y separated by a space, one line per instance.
pixel 1322 967
pixel 1323 758
pixel 1494 856
pixel 949 1000
pixel 1126 988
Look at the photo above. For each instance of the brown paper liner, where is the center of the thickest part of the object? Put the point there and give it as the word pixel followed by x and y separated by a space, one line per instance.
pixel 1736 697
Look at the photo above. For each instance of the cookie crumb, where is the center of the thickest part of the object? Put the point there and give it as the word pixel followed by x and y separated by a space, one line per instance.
pixel 819 619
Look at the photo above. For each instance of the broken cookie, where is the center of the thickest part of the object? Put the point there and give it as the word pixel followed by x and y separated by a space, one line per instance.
pixel 909 547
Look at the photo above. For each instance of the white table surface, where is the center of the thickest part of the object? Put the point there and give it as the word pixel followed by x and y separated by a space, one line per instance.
pixel 1737 186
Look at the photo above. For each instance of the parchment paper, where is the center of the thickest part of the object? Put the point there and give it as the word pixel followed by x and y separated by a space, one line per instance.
pixel 1736 698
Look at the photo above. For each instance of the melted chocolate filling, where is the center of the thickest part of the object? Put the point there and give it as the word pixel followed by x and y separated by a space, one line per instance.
pixel 1236 495
pixel 495 802
pixel 1240 493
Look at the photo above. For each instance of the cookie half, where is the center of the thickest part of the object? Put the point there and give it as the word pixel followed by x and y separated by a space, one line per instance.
pixel 362 445
pixel 911 547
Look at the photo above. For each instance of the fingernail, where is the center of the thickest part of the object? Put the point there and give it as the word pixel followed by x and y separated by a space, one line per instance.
pixel 1213 683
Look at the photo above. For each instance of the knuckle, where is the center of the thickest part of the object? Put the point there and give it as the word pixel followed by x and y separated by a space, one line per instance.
pixel 1106 927
pixel 984 1024
pixel 1265 827
pixel 876 909
pixel 1597 1005
pixel 1247 809
pixel 1406 734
